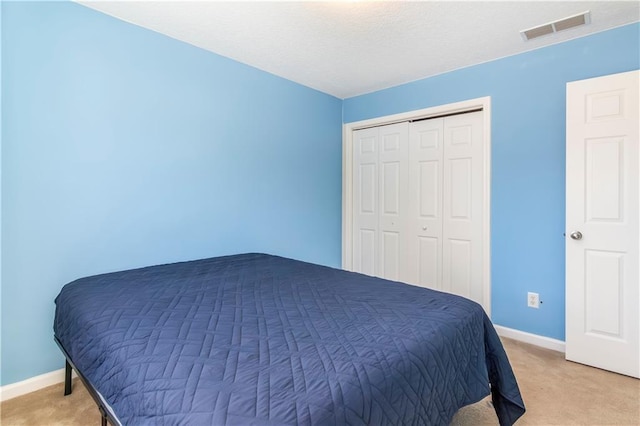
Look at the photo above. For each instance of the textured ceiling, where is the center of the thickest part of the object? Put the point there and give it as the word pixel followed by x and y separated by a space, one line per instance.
pixel 347 48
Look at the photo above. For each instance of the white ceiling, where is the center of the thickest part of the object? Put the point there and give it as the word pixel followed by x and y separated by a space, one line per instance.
pixel 348 48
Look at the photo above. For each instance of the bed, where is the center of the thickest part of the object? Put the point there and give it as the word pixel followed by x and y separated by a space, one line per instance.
pixel 256 339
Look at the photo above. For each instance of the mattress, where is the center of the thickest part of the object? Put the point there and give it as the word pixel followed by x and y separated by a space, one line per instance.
pixel 255 339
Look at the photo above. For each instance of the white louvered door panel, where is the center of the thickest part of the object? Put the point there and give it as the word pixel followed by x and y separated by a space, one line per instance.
pixel 602 223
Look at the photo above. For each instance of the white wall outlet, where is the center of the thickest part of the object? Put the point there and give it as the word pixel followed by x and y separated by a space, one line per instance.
pixel 533 300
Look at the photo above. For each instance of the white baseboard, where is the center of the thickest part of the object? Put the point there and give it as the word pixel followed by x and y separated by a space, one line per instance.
pixel 32 384
pixel 533 339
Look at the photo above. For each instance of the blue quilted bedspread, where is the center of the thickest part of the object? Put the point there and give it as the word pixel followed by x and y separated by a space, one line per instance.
pixel 255 339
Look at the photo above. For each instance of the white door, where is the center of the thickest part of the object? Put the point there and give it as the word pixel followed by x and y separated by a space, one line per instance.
pixel 602 216
pixel 380 200
pixel 365 201
pixel 424 235
pixel 462 206
pixel 445 224
pixel 394 140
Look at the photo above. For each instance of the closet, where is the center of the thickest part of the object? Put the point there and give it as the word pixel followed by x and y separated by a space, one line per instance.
pixel 417 202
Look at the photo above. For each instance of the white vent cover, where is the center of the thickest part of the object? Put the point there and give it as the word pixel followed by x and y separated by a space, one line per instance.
pixel 555 26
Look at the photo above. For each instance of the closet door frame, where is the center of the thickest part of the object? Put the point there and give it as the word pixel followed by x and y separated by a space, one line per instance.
pixel 483 103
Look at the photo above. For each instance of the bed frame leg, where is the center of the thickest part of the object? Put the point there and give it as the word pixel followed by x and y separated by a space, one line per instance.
pixel 103 415
pixel 67 378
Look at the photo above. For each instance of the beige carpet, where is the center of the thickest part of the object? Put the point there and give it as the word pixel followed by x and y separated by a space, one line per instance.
pixel 556 392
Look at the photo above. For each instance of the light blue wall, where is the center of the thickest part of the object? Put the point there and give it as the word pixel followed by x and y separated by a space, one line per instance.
pixel 528 159
pixel 123 148
pixel 0 185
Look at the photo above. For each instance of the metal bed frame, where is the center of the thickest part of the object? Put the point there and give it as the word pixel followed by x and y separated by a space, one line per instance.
pixel 105 414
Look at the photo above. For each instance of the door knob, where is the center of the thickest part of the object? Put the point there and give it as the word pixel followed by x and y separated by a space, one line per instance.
pixel 576 235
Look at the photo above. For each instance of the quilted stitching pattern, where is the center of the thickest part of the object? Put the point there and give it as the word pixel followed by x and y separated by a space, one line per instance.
pixel 259 339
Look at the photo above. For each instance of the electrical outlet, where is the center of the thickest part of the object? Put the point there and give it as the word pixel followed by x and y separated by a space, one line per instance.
pixel 533 300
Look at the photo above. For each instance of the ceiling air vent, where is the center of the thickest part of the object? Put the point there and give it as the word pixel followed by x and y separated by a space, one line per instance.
pixel 555 26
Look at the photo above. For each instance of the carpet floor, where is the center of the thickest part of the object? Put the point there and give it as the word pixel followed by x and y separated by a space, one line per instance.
pixel 555 391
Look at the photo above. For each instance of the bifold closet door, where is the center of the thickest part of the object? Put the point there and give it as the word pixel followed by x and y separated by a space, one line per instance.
pixel 380 178
pixel 445 204
pixel 418 203
pixel 462 206
pixel 424 235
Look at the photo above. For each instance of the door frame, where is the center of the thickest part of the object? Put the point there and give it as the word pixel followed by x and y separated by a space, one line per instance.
pixel 432 112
